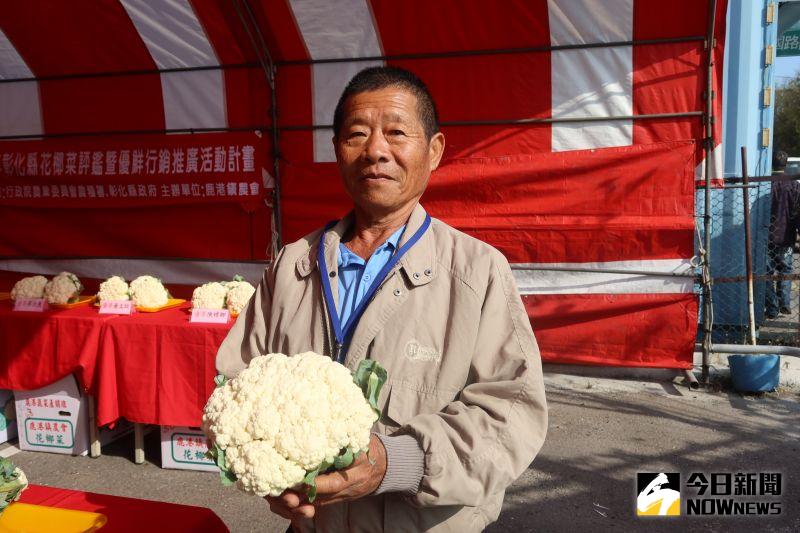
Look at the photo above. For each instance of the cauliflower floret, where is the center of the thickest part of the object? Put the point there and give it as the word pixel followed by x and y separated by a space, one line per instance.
pixel 30 287
pixel 209 296
pixel 147 291
pixel 284 416
pixel 63 288
pixel 239 293
pixel 114 288
pixel 263 471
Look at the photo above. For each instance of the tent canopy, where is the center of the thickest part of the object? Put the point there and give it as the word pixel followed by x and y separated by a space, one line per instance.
pixel 575 136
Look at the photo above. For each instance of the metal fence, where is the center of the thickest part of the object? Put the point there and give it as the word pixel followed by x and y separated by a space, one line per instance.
pixel 774 316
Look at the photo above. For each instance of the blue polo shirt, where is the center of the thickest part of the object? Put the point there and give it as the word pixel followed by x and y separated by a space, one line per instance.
pixel 356 276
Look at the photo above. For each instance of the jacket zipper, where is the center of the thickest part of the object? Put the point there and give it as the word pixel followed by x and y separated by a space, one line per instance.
pixel 333 345
pixel 336 349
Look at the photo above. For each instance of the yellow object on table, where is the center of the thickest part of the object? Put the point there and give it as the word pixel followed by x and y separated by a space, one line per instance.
pixel 80 302
pixel 26 518
pixel 172 302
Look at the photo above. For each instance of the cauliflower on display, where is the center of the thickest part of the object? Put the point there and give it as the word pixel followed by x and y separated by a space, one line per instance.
pixel 12 483
pixel 63 288
pixel 30 287
pixel 209 296
pixel 147 291
pixel 114 288
pixel 239 293
pixel 283 420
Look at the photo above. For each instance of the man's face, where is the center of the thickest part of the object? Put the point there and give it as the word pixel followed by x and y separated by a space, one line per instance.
pixel 383 155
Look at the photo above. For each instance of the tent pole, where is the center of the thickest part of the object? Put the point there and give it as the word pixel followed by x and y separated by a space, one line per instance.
pixel 492 51
pixel 708 145
pixel 748 255
pixel 127 73
pixel 270 72
pixel 304 127
pixel 162 131
pixel 526 121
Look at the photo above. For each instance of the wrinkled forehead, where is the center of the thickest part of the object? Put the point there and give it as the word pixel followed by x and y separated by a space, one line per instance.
pixel 389 104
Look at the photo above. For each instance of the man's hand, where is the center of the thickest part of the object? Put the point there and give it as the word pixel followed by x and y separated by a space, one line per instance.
pixel 360 479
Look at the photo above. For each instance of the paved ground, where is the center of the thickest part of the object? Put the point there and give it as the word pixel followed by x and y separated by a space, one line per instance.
pixel 602 431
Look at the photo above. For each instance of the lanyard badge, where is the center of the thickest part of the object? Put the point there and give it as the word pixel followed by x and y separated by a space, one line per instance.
pixel 344 331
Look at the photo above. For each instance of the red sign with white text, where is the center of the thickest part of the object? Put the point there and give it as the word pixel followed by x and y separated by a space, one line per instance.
pixel 133 171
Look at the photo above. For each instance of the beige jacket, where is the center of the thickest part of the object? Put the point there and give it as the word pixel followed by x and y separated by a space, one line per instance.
pixel 465 376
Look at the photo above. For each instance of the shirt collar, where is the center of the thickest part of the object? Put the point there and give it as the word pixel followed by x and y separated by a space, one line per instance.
pixel 419 264
pixel 347 257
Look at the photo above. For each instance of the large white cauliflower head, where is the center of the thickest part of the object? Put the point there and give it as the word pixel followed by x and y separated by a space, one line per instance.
pixel 239 293
pixel 30 287
pixel 114 288
pixel 147 291
pixel 209 296
pixel 62 288
pixel 283 417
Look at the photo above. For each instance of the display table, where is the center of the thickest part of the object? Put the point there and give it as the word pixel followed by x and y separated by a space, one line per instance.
pixel 128 514
pixel 37 349
pixel 157 368
pixel 150 368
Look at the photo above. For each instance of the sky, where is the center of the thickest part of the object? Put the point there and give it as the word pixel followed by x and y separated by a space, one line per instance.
pixel 786 68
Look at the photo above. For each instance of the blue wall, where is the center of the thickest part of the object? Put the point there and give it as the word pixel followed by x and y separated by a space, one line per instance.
pixel 744 116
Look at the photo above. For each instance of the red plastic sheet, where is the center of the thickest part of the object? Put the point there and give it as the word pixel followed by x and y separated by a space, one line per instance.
pixel 641 330
pixel 128 515
pixel 218 231
pixel 630 202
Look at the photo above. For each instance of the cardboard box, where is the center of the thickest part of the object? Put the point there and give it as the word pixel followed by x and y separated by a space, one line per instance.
pixel 55 419
pixel 184 448
pixel 8 422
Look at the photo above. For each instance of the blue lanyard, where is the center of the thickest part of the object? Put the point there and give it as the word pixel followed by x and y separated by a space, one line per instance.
pixel 343 331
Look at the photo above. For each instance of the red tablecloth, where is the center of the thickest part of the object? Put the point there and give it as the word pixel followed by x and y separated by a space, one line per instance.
pixel 157 368
pixel 153 368
pixel 128 514
pixel 37 349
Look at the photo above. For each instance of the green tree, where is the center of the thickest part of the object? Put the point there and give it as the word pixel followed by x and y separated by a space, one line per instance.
pixel 787 118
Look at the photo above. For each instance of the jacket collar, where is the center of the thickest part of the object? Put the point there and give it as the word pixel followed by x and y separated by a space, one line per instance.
pixel 419 263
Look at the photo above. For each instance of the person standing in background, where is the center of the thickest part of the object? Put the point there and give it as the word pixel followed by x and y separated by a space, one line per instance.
pixel 785 218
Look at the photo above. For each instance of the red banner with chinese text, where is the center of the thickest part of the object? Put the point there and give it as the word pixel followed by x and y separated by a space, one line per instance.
pixel 117 171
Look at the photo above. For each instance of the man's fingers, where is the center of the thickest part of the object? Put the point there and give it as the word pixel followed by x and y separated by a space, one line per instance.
pixel 279 507
pixel 331 483
pixel 306 510
pixel 290 498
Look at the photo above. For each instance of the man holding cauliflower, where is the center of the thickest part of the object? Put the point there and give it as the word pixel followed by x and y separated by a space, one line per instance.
pixel 463 412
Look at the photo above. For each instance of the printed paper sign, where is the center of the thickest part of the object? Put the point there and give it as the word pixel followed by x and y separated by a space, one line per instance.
pixel 49 432
pixel 35 305
pixel 116 307
pixel 210 316
pixel 188 448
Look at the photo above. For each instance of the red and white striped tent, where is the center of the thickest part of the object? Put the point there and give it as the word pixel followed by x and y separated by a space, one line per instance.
pixel 138 137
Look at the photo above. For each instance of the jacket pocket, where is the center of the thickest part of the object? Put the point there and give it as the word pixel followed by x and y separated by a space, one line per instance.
pixel 405 402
